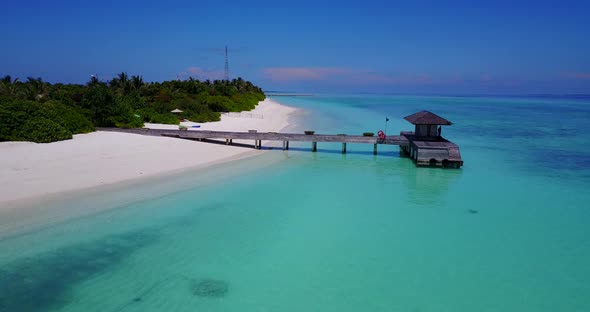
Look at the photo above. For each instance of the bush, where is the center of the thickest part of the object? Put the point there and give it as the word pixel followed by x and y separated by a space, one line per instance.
pixel 43 130
pixel 245 102
pixel 127 122
pixel 68 117
pixel 309 132
pixel 100 103
pixel 134 101
pixel 149 115
pixel 164 119
pixel 368 134
pixel 53 117
pixel 219 103
pixel 10 122
pixel 204 116
pixel 30 108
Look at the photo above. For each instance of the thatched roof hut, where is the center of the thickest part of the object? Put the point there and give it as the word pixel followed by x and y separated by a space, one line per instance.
pixel 427 118
pixel 427 124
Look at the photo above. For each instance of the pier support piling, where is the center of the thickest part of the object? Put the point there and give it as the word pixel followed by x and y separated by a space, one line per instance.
pixel 314 146
pixel 343 148
pixel 374 149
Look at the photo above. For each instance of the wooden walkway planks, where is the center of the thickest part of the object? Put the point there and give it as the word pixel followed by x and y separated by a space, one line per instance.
pixel 265 136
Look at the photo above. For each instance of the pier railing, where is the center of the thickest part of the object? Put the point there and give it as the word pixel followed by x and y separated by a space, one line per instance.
pixel 265 136
pixel 243 115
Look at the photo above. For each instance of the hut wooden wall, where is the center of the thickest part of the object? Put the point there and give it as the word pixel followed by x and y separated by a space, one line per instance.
pixel 426 130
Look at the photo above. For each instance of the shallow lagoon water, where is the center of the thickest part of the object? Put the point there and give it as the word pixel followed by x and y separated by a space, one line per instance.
pixel 324 231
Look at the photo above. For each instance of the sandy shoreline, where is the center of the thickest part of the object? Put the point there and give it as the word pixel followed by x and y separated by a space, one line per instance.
pixel 29 170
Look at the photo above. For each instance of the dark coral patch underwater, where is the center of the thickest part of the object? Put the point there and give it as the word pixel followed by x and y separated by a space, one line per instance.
pixel 41 282
pixel 209 288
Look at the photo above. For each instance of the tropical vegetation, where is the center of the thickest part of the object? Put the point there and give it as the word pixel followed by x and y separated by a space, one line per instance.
pixel 38 111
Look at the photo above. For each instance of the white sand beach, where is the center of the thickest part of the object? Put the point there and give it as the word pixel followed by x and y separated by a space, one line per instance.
pixel 30 170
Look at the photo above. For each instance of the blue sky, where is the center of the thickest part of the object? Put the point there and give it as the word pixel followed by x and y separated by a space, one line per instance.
pixel 428 47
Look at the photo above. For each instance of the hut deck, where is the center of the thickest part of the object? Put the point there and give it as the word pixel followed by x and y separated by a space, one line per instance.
pixel 433 151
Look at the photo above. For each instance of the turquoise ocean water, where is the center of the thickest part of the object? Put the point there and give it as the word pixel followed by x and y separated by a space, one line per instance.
pixel 302 231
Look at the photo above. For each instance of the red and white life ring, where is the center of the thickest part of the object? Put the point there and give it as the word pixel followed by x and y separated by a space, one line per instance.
pixel 381 135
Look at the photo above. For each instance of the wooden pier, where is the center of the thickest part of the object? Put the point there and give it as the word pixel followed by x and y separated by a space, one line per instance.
pixel 425 150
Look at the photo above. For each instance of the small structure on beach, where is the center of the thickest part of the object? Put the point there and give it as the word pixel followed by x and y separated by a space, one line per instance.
pixel 176 111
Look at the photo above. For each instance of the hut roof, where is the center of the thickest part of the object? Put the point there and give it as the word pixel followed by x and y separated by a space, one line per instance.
pixel 427 118
pixel 176 111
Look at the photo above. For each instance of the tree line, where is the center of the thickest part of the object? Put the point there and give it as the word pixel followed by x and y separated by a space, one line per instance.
pixel 38 111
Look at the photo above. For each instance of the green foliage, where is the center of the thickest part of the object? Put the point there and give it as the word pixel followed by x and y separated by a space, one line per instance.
pixel 10 123
pixel 368 134
pixel 150 115
pixel 99 102
pixel 125 101
pixel 218 103
pixel 205 116
pixel 107 110
pixel 134 101
pixel 169 119
pixel 68 117
pixel 18 117
pixel 43 130
pixel 127 122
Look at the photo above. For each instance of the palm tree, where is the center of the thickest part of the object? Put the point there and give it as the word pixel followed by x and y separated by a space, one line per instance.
pixel 36 89
pixel 121 83
pixel 114 83
pixel 93 81
pixel 6 80
pixel 123 78
pixel 136 82
pixel 239 83
pixel 8 86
